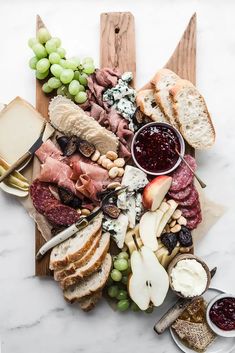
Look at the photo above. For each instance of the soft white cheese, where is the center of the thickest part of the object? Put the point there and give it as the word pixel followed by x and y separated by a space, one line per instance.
pixel 189 278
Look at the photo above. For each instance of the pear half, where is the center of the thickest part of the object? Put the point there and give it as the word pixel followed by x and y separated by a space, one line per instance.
pixel 149 281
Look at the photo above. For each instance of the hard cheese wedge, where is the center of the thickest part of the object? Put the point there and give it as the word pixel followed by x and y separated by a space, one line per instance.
pixel 20 126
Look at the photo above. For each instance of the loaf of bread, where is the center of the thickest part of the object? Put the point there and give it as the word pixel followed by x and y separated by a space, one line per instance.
pixel 192 115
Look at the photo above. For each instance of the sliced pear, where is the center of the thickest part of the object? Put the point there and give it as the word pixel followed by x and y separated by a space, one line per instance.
pixel 138 289
pixel 156 275
pixel 167 215
pixel 163 255
pixel 149 224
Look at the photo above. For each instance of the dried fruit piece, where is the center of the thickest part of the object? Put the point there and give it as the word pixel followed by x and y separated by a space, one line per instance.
pixel 68 198
pixel 62 142
pixel 71 147
pixel 185 237
pixel 85 148
pixel 111 210
pixel 169 240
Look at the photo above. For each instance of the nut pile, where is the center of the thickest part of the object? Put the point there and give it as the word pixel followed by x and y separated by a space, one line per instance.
pixel 111 162
pixel 175 222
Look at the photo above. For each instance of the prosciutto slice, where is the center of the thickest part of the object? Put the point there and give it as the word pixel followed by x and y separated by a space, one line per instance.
pixel 48 149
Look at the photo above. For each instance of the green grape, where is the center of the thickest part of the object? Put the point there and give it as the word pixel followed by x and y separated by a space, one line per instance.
pixel 115 274
pixel 57 41
pixel 41 76
pixel 46 88
pixel 33 62
pixel 43 35
pixel 82 88
pixel 51 46
pixel 75 60
pixel 63 63
pixel 82 78
pixel 122 294
pixel 32 42
pixel 56 70
pixel 125 279
pixel 113 291
pixel 121 264
pixel 43 65
pixel 134 307
pixel 66 75
pixel 149 310
pixel 69 96
pixel 54 82
pixel 70 65
pixel 87 61
pixel 123 305
pixel 39 51
pixel 76 75
pixel 123 255
pixel 54 58
pixel 88 68
pixel 62 90
pixel 61 52
pixel 74 87
pixel 81 97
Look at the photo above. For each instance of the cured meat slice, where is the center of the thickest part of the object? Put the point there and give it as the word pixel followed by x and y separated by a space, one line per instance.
pixel 183 176
pixel 48 149
pixel 189 212
pixel 190 200
pixel 181 194
pixel 42 197
pixel 193 222
pixel 62 215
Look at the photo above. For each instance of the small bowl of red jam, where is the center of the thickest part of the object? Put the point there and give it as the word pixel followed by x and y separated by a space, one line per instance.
pixel 154 148
pixel 220 315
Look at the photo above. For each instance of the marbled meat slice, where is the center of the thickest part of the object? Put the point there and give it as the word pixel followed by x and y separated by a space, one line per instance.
pixel 62 215
pixel 189 212
pixel 191 200
pixel 183 176
pixel 43 199
pixel 181 194
pixel 193 222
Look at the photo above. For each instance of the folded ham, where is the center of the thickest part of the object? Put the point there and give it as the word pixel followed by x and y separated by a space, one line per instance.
pixel 99 110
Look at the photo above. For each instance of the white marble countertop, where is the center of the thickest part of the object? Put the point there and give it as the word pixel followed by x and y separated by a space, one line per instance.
pixel 33 315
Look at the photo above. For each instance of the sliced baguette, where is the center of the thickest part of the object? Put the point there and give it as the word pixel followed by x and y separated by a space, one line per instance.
pixel 88 303
pixel 145 100
pixel 91 266
pixel 71 268
pixel 73 248
pixel 192 115
pixel 91 284
pixel 163 81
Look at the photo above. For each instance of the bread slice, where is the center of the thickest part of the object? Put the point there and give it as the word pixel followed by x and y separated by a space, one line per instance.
pixel 91 284
pixel 91 266
pixel 195 335
pixel 192 115
pixel 145 100
pixel 163 81
pixel 73 248
pixel 88 303
pixel 71 268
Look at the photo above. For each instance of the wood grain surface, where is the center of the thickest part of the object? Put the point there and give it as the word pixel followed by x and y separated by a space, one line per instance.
pixel 117 41
pixel 42 102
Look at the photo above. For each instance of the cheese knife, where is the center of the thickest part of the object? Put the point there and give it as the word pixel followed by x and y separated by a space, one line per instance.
pixel 26 155
pixel 74 228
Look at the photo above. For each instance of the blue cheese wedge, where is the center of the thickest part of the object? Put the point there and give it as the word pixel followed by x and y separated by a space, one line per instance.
pixel 134 178
pixel 117 228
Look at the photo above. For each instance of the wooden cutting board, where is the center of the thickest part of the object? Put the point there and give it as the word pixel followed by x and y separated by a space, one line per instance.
pixel 117 50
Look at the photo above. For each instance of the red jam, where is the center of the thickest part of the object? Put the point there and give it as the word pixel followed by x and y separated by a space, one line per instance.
pixel 222 314
pixel 154 148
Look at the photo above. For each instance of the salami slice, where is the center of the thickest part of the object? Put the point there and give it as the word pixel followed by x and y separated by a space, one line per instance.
pixel 42 197
pixel 191 200
pixel 62 215
pixel 183 176
pixel 193 222
pixel 181 194
pixel 189 212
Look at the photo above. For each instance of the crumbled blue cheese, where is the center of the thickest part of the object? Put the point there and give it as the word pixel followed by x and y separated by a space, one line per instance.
pixel 122 98
pixel 117 228
pixel 134 178
pixel 138 206
pixel 131 204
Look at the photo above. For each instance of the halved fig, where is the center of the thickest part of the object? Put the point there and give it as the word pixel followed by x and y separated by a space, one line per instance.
pixel 111 210
pixel 85 148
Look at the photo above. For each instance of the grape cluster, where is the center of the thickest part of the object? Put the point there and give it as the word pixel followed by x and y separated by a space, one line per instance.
pixel 117 283
pixel 67 76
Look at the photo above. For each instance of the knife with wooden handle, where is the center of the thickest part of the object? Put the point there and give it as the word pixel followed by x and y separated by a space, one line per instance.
pixel 175 311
